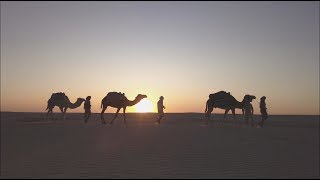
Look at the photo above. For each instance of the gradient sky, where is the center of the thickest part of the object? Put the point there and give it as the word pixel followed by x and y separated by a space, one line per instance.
pixel 181 50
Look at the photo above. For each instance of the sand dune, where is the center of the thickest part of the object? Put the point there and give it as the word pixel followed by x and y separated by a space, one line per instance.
pixel 31 147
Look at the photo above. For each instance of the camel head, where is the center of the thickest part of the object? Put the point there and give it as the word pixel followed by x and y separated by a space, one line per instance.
pixel 141 96
pixel 80 99
pixel 249 98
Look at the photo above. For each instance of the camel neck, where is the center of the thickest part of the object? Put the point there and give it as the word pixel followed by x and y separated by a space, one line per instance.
pixel 76 104
pixel 131 103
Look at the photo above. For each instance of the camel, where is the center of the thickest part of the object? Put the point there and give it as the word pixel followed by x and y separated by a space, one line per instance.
pixel 118 100
pixel 62 101
pixel 224 100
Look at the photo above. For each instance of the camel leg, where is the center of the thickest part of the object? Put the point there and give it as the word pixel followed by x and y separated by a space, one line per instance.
pixel 49 112
pixel 234 117
pixel 64 113
pixel 101 114
pixel 124 115
pixel 208 114
pixel 115 115
pixel 61 109
pixel 224 116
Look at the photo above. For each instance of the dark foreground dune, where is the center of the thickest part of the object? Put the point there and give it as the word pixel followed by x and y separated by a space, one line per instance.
pixel 288 147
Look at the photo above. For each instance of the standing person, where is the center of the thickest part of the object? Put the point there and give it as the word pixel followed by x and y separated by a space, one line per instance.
pixel 87 109
pixel 248 113
pixel 160 109
pixel 263 110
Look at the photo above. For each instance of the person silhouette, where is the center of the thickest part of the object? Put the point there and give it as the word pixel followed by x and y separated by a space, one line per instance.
pixel 263 110
pixel 87 109
pixel 248 112
pixel 160 109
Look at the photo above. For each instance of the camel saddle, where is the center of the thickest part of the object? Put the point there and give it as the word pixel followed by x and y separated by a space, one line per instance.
pixel 58 96
pixel 221 98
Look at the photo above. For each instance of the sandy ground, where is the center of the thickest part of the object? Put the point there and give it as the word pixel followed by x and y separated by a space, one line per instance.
pixel 180 147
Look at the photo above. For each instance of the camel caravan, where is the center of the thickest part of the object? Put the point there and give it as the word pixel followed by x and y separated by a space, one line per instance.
pixel 222 99
pixel 112 99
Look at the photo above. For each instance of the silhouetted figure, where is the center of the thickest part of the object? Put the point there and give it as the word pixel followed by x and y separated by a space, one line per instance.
pixel 118 100
pixel 263 110
pixel 87 109
pixel 224 100
pixel 62 101
pixel 160 109
pixel 248 109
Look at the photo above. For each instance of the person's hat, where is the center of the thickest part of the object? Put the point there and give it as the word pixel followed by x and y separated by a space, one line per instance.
pixel 161 97
pixel 263 97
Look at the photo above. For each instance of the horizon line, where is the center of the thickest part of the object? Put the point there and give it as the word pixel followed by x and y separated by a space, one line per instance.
pixel 157 113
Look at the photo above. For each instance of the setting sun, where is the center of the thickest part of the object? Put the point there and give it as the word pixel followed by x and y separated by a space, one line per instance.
pixel 144 105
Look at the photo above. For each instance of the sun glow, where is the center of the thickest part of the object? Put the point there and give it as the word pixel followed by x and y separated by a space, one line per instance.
pixel 144 105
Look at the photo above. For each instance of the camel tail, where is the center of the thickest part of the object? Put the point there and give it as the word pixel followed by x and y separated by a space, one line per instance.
pixel 47 107
pixel 206 107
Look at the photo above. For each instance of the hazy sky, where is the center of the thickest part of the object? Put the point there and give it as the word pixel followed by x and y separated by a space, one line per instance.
pixel 181 50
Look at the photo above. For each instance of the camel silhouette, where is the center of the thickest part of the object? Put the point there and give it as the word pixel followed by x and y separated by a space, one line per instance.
pixel 62 101
pixel 226 101
pixel 118 100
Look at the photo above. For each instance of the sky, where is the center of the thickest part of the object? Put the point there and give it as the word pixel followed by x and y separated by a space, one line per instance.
pixel 183 51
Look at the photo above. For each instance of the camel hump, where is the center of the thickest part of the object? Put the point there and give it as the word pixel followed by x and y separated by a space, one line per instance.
pixel 222 99
pixel 116 95
pixel 58 96
pixel 221 95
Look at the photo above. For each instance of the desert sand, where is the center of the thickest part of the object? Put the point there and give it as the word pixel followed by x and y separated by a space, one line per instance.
pixel 180 147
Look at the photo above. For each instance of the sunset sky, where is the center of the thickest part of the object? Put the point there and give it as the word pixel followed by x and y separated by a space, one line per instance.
pixel 180 50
